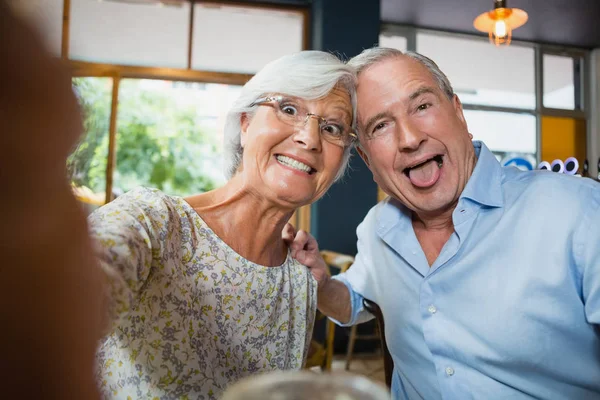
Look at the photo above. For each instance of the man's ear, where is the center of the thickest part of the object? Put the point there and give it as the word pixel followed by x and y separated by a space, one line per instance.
pixel 244 123
pixel 363 155
pixel 458 109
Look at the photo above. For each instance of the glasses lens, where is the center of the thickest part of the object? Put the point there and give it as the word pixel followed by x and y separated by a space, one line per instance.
pixel 339 137
pixel 290 112
pixel 294 113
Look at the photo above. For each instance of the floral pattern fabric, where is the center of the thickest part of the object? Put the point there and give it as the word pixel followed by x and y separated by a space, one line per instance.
pixel 189 315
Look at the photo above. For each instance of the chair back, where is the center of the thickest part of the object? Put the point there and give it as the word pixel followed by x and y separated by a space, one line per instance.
pixel 388 363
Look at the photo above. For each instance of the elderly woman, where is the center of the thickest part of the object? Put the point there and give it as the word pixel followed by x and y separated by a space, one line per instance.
pixel 203 290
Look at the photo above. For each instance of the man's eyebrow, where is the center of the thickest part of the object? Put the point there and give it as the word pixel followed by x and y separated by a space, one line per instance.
pixel 371 121
pixel 386 114
pixel 421 91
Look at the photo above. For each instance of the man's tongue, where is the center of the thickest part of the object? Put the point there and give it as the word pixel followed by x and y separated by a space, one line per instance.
pixel 425 175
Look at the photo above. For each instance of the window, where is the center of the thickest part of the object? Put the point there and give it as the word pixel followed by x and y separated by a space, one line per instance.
pixel 87 164
pixel 507 135
pixel 170 135
pixel 126 33
pixel 246 38
pixel 155 100
pixel 483 74
pixel 521 121
pixel 393 41
pixel 561 77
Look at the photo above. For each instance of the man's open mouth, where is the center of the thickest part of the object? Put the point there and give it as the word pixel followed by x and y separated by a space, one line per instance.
pixel 439 160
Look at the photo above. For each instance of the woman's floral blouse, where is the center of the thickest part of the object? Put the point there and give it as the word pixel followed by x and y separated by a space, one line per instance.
pixel 190 315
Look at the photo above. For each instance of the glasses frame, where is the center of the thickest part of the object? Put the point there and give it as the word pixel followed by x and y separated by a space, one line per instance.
pixel 269 100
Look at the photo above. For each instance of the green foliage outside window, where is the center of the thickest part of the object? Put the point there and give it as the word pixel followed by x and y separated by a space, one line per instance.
pixel 87 163
pixel 163 140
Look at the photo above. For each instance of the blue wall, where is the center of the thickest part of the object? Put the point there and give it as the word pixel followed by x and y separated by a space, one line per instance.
pixel 345 28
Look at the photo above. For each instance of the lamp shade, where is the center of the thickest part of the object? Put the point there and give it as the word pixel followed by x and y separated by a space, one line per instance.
pixel 500 22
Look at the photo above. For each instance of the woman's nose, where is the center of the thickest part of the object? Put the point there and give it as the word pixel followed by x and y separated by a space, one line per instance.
pixel 309 133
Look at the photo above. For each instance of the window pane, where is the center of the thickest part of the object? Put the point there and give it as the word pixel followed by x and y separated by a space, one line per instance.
pixel 559 78
pixel 130 33
pixel 481 73
pixel 45 15
pixel 170 135
pixel 238 39
pixel 87 164
pixel 393 41
pixel 507 135
pixel 563 138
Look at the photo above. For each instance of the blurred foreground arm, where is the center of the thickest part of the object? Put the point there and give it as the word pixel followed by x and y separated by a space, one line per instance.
pixel 50 292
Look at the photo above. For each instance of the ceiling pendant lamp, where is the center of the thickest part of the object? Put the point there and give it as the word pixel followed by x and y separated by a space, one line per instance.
pixel 500 22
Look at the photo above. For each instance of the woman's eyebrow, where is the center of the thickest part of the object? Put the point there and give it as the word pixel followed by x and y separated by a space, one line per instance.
pixel 343 110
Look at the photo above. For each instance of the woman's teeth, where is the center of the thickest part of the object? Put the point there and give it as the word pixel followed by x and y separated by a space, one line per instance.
pixel 290 162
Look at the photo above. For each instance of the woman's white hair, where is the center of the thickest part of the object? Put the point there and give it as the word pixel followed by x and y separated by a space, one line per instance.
pixel 309 75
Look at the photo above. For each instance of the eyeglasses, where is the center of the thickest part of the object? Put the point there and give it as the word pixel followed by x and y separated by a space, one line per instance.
pixel 292 112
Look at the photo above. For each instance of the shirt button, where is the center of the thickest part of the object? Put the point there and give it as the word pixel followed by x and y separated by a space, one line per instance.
pixel 432 309
pixel 449 371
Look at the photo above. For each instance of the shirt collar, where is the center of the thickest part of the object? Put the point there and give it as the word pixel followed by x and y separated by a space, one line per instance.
pixel 484 187
pixel 485 184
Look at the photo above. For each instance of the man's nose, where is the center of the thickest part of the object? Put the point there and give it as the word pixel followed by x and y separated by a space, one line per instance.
pixel 410 136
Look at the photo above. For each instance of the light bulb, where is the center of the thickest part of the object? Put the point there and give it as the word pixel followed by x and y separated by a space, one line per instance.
pixel 500 30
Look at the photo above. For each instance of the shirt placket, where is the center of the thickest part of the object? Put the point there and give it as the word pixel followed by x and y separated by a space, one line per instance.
pixel 435 329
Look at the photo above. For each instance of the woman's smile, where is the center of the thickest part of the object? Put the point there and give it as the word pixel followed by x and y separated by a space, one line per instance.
pixel 295 164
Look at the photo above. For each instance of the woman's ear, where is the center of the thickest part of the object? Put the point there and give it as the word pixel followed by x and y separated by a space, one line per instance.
pixel 244 124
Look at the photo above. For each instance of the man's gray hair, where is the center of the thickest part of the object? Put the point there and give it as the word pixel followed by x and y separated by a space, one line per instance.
pixel 375 55
pixel 309 75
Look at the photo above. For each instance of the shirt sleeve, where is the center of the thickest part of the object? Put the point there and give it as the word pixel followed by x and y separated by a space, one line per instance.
pixel 125 234
pixel 359 313
pixel 587 251
pixel 358 278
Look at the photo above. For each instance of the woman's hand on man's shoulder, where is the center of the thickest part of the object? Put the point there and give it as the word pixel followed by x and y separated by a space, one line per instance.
pixel 305 249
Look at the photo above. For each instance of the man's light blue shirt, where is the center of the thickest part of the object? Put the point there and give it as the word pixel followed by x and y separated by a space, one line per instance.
pixel 511 307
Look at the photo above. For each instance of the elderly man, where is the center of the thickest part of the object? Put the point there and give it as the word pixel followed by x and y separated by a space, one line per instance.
pixel 488 277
